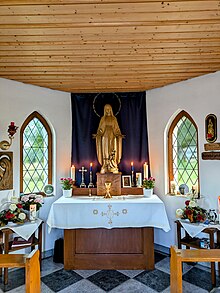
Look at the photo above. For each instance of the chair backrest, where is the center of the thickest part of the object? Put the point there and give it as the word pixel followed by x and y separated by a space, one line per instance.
pixel 32 268
pixel 32 272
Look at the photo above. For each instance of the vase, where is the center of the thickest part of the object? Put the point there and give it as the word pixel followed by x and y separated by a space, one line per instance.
pixel 148 192
pixel 67 192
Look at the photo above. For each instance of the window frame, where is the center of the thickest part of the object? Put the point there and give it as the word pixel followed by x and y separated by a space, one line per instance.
pixel 33 115
pixel 170 148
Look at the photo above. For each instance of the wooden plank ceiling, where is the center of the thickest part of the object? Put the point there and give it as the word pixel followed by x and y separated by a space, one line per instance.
pixel 108 45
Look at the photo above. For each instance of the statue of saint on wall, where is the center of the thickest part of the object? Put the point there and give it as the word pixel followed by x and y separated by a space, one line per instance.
pixel 6 170
pixel 108 142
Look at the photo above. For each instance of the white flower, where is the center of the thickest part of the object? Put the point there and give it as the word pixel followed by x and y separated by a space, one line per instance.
pixel 22 216
pixel 192 203
pixel 13 207
pixel 179 213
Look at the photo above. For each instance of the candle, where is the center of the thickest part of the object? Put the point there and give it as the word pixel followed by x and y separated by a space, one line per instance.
pixel 145 170
pixel 12 123
pixel 73 172
pixel 172 187
pixel 90 168
pixel 218 208
pixel 132 166
pixel 172 183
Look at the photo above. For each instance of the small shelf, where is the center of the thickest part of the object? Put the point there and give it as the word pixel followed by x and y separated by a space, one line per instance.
pixel 34 242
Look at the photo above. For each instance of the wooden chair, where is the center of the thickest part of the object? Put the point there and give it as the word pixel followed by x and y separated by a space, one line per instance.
pixel 6 246
pixel 31 264
pixel 186 255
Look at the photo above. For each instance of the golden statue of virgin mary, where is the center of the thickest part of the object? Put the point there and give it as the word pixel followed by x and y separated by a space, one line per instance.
pixel 108 142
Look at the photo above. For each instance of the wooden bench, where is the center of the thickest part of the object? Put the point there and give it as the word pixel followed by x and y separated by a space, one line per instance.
pixel 31 264
pixel 186 255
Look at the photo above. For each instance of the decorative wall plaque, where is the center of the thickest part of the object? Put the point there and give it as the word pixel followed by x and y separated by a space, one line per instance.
pixel 212 146
pixel 211 155
pixel 6 170
pixel 211 128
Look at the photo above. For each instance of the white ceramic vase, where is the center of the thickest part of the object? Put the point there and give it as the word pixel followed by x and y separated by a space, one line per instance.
pixel 67 192
pixel 148 192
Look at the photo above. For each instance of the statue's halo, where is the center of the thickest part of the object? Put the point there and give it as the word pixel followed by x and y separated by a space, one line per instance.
pixel 101 99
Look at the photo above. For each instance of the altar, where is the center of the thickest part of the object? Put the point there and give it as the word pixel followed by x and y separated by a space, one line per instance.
pixel 117 233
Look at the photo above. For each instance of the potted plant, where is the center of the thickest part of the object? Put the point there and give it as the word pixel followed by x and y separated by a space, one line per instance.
pixel 148 185
pixel 67 185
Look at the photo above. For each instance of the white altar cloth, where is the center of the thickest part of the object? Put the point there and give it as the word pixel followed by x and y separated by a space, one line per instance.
pixel 193 229
pixel 25 230
pixel 119 212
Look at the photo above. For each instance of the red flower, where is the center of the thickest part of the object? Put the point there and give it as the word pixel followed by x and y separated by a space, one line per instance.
pixel 9 215
pixel 199 217
pixel 19 205
pixel 187 202
pixel 188 212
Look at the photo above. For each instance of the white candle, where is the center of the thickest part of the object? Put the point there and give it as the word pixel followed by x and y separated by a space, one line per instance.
pixel 172 184
pixel 145 170
pixel 73 172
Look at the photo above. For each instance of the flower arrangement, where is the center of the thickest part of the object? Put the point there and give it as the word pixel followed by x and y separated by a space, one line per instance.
pixel 149 183
pixel 28 199
pixel 67 183
pixel 192 212
pixel 14 214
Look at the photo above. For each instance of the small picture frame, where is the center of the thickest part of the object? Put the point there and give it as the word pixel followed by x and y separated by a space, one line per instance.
pixel 126 181
pixel 48 190
pixel 211 128
pixel 139 179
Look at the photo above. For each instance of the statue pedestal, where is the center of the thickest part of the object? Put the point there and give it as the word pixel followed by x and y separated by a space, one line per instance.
pixel 115 180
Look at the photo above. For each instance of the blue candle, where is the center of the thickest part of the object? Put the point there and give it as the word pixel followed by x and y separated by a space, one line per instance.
pixel 90 168
pixel 132 166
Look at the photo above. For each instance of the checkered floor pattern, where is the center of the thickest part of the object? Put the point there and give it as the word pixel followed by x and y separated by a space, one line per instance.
pixel 196 279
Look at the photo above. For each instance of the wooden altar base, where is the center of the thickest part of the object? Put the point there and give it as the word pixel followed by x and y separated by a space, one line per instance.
pixel 119 248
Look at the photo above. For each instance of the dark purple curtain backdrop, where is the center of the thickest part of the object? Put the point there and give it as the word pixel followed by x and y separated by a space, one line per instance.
pixel 132 121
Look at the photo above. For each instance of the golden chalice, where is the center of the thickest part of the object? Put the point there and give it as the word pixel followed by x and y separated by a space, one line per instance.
pixel 108 186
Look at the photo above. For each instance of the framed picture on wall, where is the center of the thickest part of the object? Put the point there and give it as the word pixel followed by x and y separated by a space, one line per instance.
pixel 126 181
pixel 211 128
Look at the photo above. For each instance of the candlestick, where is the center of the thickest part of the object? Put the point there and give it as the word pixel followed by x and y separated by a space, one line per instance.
pixel 145 170
pixel 90 177
pixel 132 174
pixel 73 173
pixel 83 170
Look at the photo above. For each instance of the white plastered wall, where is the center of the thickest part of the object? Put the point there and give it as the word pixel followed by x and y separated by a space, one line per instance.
pixel 199 97
pixel 17 102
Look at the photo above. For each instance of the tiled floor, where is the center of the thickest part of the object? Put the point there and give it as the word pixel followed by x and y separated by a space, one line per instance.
pixel 196 279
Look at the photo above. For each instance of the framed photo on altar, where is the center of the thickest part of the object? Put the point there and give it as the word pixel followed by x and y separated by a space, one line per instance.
pixel 126 181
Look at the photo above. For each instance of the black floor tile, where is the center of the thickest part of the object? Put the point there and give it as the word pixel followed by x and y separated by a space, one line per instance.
pixel 108 279
pixel 61 279
pixel 199 278
pixel 155 279
pixel 159 256
pixel 16 278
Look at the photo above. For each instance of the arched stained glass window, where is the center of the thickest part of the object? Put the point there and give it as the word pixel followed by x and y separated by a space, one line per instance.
pixel 183 152
pixel 36 154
